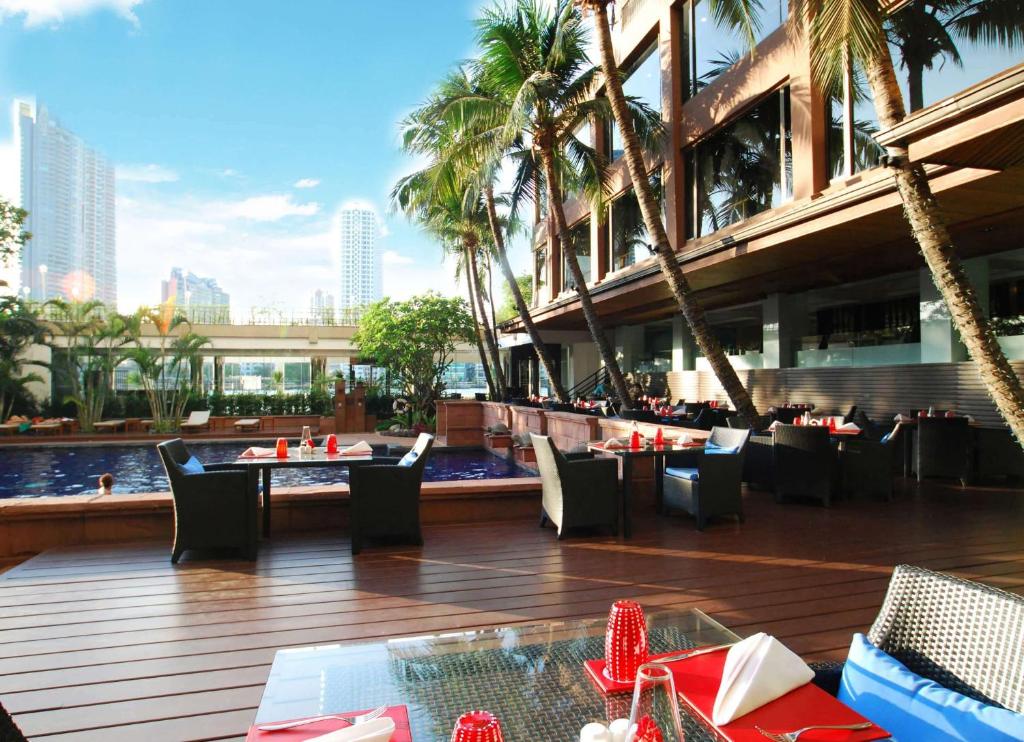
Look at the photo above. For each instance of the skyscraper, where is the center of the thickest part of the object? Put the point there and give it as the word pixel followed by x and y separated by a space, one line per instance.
pixel 68 190
pixel 360 260
pixel 321 304
pixel 202 299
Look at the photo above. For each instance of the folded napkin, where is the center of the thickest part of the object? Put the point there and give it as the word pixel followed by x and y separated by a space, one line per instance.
pixel 901 418
pixel 757 670
pixel 616 443
pixel 378 730
pixel 256 452
pixel 393 726
pixel 359 449
pixel 849 426
pixel 774 425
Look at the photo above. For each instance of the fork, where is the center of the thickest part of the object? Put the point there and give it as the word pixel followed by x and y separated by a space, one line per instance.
pixel 793 736
pixel 353 720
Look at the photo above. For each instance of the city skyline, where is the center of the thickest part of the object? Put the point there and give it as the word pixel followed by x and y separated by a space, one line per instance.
pixel 359 261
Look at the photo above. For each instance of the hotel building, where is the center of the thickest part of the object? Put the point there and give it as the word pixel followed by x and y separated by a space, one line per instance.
pixel 786 225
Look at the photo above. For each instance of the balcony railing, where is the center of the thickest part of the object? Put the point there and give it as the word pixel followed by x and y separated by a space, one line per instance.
pixel 221 315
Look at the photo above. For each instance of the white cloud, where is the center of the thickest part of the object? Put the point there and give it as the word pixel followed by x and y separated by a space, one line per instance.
pixel 267 208
pixel 307 183
pixel 391 257
pixel 228 172
pixel 55 12
pixel 150 173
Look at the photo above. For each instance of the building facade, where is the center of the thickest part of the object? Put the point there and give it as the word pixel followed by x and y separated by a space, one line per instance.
pixel 68 190
pixel 360 260
pixel 202 299
pixel 321 305
pixel 783 220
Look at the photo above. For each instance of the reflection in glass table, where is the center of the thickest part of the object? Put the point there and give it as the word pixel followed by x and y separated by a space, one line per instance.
pixel 530 676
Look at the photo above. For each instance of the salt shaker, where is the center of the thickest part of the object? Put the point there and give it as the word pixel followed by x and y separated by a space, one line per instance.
pixel 619 730
pixel 595 732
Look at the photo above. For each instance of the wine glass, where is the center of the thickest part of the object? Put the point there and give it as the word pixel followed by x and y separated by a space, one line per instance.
pixel 654 716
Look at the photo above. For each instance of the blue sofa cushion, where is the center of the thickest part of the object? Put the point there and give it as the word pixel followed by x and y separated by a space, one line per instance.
pixel 193 466
pixel 911 707
pixel 716 449
pixel 409 459
pixel 682 472
pixel 888 436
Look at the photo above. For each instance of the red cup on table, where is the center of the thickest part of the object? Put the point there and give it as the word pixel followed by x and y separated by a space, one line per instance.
pixel 332 443
pixel 477 726
pixel 625 641
pixel 282 448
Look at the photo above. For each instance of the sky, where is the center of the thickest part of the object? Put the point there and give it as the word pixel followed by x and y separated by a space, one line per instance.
pixel 239 128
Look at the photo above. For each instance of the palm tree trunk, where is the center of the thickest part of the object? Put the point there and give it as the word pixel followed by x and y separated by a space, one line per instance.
pixel 492 393
pixel 524 311
pixel 928 225
pixel 492 345
pixel 604 348
pixel 691 309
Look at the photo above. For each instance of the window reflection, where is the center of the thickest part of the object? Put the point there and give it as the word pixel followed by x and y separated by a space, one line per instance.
pixel 643 83
pixel 714 48
pixel 627 233
pixel 540 271
pixel 742 169
pixel 580 239
pixel 851 141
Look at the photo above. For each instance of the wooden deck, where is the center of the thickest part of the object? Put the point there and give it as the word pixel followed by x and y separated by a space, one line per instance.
pixel 116 644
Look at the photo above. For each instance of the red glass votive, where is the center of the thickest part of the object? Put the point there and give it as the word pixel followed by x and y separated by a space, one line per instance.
pixel 647 731
pixel 477 726
pixel 625 641
pixel 332 443
pixel 634 439
pixel 659 438
pixel 282 448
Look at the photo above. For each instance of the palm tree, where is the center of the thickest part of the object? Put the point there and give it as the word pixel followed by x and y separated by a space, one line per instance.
pixel 462 151
pixel 20 329
pixel 535 61
pixel 633 152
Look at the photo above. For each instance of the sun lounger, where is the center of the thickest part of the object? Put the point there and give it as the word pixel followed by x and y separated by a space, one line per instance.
pixel 53 428
pixel 249 423
pixel 109 426
pixel 9 428
pixel 198 420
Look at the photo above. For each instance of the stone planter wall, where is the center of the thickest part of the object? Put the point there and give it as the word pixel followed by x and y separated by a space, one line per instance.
pixel 528 420
pixel 569 429
pixel 460 422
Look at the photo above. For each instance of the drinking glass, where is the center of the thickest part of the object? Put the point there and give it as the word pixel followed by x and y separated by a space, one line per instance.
pixel 655 706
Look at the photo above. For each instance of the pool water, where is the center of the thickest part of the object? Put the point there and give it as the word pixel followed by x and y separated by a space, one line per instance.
pixel 73 470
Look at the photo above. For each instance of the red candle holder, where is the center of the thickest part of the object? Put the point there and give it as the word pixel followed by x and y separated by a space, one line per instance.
pixel 282 448
pixel 625 641
pixel 332 443
pixel 659 438
pixel 477 726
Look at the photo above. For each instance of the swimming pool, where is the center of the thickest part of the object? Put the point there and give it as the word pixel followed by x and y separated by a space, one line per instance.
pixel 73 470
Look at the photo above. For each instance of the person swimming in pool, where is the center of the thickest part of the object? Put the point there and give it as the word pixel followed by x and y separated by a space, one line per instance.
pixel 106 483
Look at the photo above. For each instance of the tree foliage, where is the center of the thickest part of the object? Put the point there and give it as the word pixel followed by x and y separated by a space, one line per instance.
pixel 415 340
pixel 507 309
pixel 12 236
pixel 20 329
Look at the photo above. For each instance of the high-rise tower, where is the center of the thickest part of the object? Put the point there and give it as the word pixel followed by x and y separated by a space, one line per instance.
pixel 68 190
pixel 360 260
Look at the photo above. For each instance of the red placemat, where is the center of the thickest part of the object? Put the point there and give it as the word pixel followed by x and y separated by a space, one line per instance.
pixel 400 715
pixel 595 671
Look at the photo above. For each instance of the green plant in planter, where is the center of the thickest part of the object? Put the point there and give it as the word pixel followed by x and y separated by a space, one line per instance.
pixel 218 404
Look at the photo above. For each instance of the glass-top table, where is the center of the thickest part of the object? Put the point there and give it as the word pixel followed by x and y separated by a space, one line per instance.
pixel 530 676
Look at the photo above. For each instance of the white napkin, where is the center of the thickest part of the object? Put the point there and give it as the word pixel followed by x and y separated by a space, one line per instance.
pixel 849 426
pixel 358 449
pixel 757 670
pixel 616 443
pixel 774 425
pixel 901 418
pixel 378 730
pixel 256 452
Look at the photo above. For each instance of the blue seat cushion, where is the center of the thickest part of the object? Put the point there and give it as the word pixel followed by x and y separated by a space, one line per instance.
pixel 682 472
pixel 409 459
pixel 888 436
pixel 710 447
pixel 193 466
pixel 911 707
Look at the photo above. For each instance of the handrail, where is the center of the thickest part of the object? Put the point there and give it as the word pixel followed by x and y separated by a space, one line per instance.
pixel 587 384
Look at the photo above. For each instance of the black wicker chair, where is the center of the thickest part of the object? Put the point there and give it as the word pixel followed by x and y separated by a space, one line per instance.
pixel 215 505
pixel 998 454
pixel 385 497
pixel 759 462
pixel 755 425
pixel 705 420
pixel 944 448
pixel 712 487
pixel 576 493
pixel 9 731
pixel 786 415
pixel 642 416
pixel 963 635
pixel 805 463
pixel 868 466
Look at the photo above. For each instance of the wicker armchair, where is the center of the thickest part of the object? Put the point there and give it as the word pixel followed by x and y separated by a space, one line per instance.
pixel 759 462
pixel 944 448
pixel 963 635
pixel 805 463
pixel 755 424
pixel 9 731
pixel 215 505
pixel 385 498
pixel 576 493
pixel 868 466
pixel 713 486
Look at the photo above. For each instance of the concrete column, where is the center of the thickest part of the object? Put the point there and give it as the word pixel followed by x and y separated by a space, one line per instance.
pixel 940 342
pixel 629 342
pixel 784 322
pixel 673 50
pixel 218 374
pixel 684 347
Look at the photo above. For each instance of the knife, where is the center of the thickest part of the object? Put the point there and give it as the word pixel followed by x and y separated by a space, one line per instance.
pixel 693 653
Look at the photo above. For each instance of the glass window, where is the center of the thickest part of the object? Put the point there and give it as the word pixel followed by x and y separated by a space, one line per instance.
pixel 644 83
pixel 540 271
pixel 934 54
pixel 852 134
pixel 580 238
pixel 742 169
pixel 715 48
pixel 627 233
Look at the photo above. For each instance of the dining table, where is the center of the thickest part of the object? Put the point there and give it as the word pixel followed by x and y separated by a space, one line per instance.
pixel 530 676
pixel 265 465
pixel 629 456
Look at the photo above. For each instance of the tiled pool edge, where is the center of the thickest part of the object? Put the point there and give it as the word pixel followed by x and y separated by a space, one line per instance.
pixel 32 525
